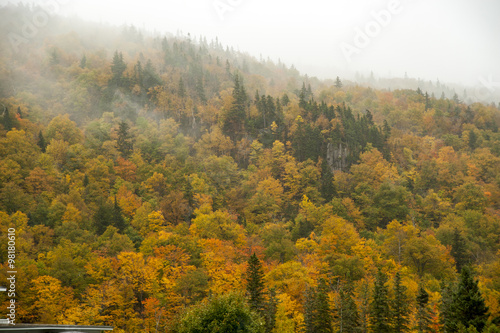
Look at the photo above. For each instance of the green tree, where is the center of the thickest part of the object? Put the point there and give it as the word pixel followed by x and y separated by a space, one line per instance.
pixel 347 311
pixel 423 315
pixel 235 117
pixel 380 312
pixel 338 83
pixel 224 314
pixel 255 284
pixel 458 249
pixel 317 313
pixel 124 141
pixel 41 142
pixel 117 68
pixel 468 305
pixel 400 308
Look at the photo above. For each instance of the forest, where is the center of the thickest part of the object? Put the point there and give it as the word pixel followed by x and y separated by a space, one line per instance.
pixel 166 183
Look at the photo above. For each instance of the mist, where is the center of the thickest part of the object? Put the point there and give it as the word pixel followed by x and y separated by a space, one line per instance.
pixel 449 41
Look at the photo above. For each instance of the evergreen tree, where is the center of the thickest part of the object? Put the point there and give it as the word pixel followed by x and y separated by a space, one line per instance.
pixel 83 62
pixel 324 318
pixel 380 318
pixel 235 117
pixel 338 83
pixel 117 218
pixel 270 310
pixel 6 121
pixel 458 249
pixel 423 315
pixel 117 68
pixel 400 308
pixel 468 305
pixel 124 142
pixel 347 312
pixel 317 313
pixel 255 284
pixel 303 96
pixel 41 142
pixel 446 317
pixel 181 89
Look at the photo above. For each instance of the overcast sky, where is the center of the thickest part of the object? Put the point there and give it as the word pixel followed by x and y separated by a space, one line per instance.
pixel 453 40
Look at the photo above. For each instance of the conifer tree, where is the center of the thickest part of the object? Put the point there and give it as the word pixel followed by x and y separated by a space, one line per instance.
pixel 423 315
pixel 400 309
pixel 338 83
pixel 324 320
pixel 124 142
pixel 347 312
pixel 7 121
pixel 468 305
pixel 458 250
pixel 317 313
pixel 379 307
pixel 41 142
pixel 446 318
pixel 255 283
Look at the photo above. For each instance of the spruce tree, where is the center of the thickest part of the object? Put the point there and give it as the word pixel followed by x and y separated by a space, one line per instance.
pixel 379 307
pixel 270 309
pixel 468 305
pixel 446 317
pixel 347 312
pixel 41 142
pixel 423 315
pixel 124 142
pixel 400 309
pixel 7 121
pixel 317 313
pixel 255 284
pixel 117 218
pixel 458 249
pixel 324 320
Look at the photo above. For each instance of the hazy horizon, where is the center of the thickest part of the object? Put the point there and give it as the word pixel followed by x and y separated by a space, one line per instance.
pixel 452 41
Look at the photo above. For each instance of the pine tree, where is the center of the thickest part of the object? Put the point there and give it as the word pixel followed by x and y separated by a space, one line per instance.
pixel 235 118
pixel 117 68
pixel 124 142
pixel 400 309
pixel 270 309
pixel 338 83
pixel 347 312
pixel 379 307
pixel 324 320
pixel 468 305
pixel 423 315
pixel 181 89
pixel 458 249
pixel 446 317
pixel 255 284
pixel 7 121
pixel 317 313
pixel 117 218
pixel 41 142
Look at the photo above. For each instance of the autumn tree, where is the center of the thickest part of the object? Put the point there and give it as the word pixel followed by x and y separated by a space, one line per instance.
pixel 228 313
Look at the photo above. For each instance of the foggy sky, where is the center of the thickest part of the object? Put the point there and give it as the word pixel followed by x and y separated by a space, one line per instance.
pixel 450 40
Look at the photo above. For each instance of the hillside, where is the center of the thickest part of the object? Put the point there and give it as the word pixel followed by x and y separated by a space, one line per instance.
pixel 141 172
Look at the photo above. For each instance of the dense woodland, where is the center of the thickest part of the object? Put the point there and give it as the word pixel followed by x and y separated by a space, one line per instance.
pixel 172 184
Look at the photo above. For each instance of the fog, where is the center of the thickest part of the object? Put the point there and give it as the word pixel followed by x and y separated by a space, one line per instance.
pixel 451 40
